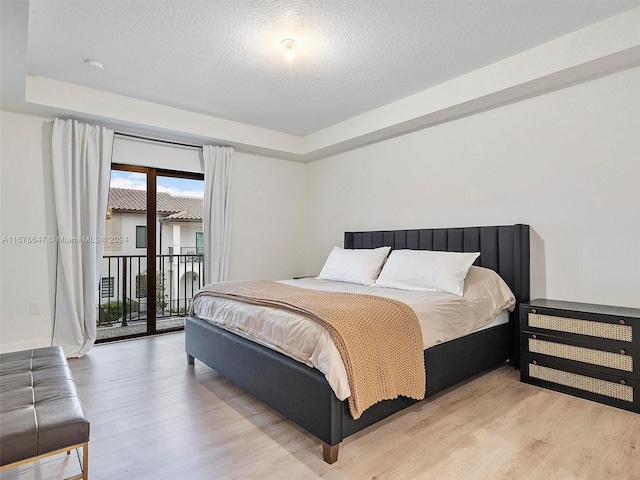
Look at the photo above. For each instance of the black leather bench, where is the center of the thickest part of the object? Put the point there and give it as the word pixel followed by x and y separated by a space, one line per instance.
pixel 40 411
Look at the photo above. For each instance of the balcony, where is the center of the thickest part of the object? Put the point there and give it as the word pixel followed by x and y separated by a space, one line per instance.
pixel 187 254
pixel 123 291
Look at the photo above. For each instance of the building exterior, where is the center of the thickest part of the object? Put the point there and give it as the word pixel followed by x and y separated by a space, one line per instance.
pixel 179 252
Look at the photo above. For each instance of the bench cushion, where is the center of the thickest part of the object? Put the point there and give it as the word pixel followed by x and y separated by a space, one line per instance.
pixel 40 410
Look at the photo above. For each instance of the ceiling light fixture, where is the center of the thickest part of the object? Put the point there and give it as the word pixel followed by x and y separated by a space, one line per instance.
pixel 93 64
pixel 288 45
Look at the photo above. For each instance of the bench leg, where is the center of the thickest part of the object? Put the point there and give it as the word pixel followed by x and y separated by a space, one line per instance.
pixel 84 467
pixel 85 461
pixel 84 464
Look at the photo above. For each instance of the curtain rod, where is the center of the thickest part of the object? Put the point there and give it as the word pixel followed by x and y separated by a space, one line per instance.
pixel 150 139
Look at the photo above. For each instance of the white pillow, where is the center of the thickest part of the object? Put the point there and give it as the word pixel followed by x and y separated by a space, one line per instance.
pixel 426 270
pixel 360 266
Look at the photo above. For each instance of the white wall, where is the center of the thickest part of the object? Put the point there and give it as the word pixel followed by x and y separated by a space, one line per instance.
pixel 267 230
pixel 268 236
pixel 567 163
pixel 27 269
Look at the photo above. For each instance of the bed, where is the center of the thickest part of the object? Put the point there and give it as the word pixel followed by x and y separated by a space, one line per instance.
pixel 302 393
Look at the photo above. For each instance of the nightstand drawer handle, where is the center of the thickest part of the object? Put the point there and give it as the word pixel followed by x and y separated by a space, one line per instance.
pixel 534 362
pixel 623 352
pixel 534 336
pixel 621 322
pixel 622 382
pixel 533 310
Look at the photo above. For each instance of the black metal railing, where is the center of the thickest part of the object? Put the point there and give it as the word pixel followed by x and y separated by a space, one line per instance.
pixel 192 250
pixel 123 289
pixel 187 254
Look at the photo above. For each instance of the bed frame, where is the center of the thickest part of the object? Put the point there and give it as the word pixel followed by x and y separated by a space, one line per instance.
pixel 303 395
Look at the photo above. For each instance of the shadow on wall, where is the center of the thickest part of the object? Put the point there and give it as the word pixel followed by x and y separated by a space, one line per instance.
pixel 49 216
pixel 538 265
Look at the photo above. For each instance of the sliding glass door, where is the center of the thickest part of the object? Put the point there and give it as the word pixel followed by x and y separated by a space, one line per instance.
pixel 152 262
pixel 179 263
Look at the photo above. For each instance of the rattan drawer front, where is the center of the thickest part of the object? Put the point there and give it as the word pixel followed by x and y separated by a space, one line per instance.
pixel 581 327
pixel 582 382
pixel 582 354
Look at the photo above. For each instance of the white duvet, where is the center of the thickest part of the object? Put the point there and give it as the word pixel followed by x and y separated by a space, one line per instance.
pixel 443 317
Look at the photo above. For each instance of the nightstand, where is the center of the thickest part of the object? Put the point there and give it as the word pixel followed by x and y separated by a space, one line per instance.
pixel 590 351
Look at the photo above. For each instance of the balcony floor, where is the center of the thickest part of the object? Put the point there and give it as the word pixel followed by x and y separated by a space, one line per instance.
pixel 117 330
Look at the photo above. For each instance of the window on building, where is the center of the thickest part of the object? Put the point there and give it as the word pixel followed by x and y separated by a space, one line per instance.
pixel 106 287
pixel 199 243
pixel 141 285
pixel 141 236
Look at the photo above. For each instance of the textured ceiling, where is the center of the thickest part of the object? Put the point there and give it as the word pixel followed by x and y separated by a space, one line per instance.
pixel 223 57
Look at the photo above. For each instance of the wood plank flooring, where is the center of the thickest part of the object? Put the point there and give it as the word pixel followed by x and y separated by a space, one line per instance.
pixel 154 417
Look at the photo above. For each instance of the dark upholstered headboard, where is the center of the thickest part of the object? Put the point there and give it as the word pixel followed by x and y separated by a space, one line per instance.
pixel 504 249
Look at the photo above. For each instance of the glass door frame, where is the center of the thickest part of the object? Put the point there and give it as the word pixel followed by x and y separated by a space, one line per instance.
pixel 152 174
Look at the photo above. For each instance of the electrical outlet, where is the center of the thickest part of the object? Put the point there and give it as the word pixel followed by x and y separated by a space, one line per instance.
pixel 34 308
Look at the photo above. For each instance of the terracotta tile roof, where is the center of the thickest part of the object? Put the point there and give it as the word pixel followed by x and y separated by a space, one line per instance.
pixel 128 200
pixel 172 208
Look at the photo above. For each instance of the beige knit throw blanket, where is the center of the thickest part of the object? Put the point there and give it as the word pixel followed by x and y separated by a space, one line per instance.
pixel 379 339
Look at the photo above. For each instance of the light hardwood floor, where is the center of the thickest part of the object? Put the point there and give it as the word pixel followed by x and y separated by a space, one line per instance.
pixel 154 417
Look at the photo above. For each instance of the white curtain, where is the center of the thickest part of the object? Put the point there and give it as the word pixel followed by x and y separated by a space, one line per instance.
pixel 81 157
pixel 217 211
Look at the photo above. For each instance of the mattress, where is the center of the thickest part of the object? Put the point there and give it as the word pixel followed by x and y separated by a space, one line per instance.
pixel 443 317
